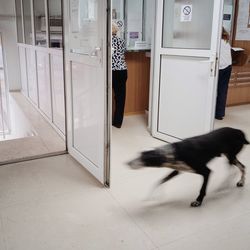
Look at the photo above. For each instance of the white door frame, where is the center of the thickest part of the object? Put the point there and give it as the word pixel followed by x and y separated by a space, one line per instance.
pixel 157 51
pixel 104 178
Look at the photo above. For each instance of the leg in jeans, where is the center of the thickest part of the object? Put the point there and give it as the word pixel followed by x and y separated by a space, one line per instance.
pixel 224 77
pixel 119 78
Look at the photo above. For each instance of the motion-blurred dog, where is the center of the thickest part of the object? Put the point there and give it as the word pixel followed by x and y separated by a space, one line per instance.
pixel 193 154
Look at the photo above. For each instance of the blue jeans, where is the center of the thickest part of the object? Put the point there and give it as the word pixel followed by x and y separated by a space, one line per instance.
pixel 224 77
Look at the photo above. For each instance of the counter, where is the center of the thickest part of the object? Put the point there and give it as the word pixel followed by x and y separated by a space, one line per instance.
pixel 137 97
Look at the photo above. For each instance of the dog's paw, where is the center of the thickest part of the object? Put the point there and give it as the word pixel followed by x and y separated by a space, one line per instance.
pixel 240 184
pixel 195 204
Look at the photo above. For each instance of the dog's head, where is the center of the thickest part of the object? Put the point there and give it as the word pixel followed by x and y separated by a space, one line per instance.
pixel 151 158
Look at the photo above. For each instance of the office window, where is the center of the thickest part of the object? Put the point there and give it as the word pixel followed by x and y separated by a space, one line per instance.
pixel 27 22
pixel 19 22
pixel 40 23
pixel 55 23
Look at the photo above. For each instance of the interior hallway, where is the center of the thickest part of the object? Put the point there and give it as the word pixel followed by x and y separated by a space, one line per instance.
pixel 54 203
pixel 30 134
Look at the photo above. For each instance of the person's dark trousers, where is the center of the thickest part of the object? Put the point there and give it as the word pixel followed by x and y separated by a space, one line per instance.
pixel 224 77
pixel 119 78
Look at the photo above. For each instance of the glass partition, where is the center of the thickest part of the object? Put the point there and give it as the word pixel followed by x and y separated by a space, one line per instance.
pixel 19 21
pixel 228 16
pixel 27 22
pixel 83 36
pixel 40 23
pixel 135 20
pixel 55 23
pixel 187 26
pixel 118 15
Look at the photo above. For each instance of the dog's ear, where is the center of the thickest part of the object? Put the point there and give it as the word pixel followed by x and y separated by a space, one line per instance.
pixel 246 142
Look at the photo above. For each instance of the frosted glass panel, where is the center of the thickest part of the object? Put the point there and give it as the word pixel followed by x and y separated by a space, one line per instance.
pixel 187 24
pixel 84 19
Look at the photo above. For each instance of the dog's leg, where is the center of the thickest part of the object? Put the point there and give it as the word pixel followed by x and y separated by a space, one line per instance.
pixel 242 169
pixel 169 177
pixel 205 173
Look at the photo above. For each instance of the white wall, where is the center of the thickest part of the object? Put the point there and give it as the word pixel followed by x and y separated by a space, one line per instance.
pixel 9 36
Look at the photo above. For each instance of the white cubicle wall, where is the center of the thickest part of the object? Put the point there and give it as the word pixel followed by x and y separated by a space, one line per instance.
pixel 42 81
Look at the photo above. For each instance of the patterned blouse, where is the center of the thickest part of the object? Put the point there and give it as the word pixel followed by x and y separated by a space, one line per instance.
pixel 118 51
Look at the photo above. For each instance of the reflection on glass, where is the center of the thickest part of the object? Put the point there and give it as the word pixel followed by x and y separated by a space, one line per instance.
pixel 187 25
pixel 228 11
pixel 134 23
pixel 27 22
pixel 40 23
pixel 19 21
pixel 55 23
pixel 84 35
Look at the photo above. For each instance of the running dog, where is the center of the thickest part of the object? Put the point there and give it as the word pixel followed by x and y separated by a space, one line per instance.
pixel 193 154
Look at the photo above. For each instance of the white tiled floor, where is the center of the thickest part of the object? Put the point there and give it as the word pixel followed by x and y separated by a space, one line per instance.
pixel 55 204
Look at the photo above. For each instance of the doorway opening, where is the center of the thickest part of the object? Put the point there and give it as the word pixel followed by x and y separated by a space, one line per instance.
pixel 238 98
pixel 135 23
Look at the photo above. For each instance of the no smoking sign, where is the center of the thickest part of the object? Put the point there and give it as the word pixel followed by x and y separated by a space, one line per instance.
pixel 186 13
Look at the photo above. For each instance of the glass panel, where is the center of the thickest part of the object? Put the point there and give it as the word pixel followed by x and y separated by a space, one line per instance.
pixel 148 19
pixel 187 24
pixel 40 23
pixel 55 23
pixel 27 21
pixel 84 26
pixel 118 9
pixel 134 27
pixel 228 15
pixel 118 15
pixel 19 21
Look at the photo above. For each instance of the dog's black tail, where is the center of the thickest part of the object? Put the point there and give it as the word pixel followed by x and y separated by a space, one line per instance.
pixel 246 142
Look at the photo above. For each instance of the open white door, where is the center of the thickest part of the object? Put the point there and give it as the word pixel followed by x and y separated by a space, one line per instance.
pixel 187 38
pixel 86 84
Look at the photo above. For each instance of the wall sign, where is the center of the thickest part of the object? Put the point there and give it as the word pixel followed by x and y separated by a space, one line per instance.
pixel 186 13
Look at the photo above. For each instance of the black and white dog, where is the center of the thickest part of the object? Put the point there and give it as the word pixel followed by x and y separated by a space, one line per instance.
pixel 193 154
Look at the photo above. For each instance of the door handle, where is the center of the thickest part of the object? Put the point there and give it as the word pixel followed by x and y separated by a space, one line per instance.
pixel 213 65
pixel 94 53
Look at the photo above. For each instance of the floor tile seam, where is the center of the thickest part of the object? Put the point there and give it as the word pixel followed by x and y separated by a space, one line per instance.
pixel 132 219
pixel 208 227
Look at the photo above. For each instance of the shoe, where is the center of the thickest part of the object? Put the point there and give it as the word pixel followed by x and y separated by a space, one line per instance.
pixel 116 125
pixel 219 118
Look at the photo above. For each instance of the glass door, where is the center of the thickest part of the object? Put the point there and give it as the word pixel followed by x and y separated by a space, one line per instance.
pixel 185 67
pixel 86 81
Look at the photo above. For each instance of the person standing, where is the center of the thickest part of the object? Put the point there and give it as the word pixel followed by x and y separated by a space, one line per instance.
pixel 119 76
pixel 225 69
